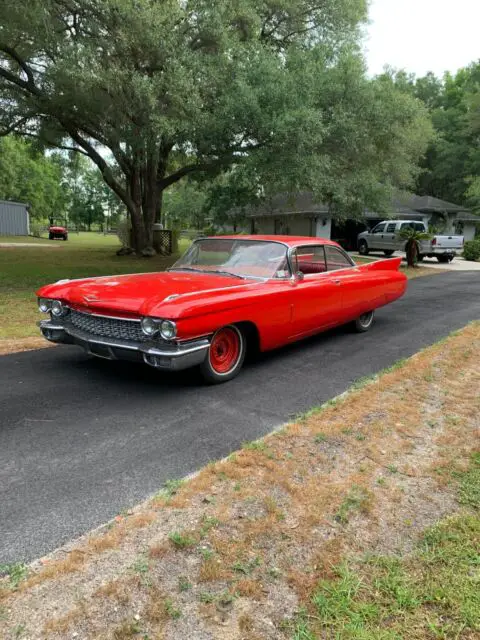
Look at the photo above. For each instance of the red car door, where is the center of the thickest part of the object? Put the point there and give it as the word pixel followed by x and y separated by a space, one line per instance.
pixel 356 292
pixel 317 294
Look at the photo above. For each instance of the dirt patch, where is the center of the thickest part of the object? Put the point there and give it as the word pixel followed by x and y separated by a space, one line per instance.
pixel 237 550
pixel 22 344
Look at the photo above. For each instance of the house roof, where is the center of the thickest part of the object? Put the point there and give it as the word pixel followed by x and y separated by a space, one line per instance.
pixel 410 207
pixel 429 204
pixel 301 203
pixel 12 202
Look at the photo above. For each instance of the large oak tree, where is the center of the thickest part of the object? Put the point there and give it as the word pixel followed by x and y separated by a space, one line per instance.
pixel 267 87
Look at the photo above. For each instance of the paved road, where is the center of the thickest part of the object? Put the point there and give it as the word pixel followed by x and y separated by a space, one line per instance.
pixel 82 439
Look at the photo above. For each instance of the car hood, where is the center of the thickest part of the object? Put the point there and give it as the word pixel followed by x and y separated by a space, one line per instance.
pixel 136 294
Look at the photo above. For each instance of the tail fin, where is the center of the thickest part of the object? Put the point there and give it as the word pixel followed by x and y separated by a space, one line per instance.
pixel 391 264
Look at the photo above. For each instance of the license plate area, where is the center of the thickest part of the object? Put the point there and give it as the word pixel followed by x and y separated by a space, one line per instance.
pixel 101 351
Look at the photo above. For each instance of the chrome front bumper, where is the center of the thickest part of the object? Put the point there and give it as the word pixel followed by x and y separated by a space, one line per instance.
pixel 169 356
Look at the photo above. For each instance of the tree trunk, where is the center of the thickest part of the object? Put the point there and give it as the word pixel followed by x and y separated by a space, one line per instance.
pixel 412 253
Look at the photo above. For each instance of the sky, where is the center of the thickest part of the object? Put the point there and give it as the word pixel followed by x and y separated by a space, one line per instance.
pixel 423 35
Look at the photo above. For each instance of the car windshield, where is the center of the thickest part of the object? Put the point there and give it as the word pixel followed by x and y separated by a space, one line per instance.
pixel 236 257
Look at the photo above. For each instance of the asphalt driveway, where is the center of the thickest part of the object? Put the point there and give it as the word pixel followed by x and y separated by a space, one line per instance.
pixel 82 439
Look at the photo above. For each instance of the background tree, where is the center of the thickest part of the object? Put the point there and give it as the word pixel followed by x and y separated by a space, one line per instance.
pixel 274 90
pixel 26 175
pixel 451 169
pixel 143 78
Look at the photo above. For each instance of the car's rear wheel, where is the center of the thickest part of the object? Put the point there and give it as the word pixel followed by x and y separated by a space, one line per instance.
pixel 364 322
pixel 51 236
pixel 444 259
pixel 65 237
pixel 363 248
pixel 225 355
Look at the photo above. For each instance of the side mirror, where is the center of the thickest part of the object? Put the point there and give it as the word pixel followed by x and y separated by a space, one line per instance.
pixel 299 276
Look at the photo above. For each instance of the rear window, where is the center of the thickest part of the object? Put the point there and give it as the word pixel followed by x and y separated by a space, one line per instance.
pixel 417 226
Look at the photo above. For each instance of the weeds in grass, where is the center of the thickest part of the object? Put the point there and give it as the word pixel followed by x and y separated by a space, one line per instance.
pixel 246 567
pixel 16 573
pixel 127 629
pixel 171 610
pixel 181 540
pixel 357 499
pixel 430 593
pixel 320 437
pixel 172 486
pixel 184 583
pixel 469 492
pixel 206 596
pixel 208 522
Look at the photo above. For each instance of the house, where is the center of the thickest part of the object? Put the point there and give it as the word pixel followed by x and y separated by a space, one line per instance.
pixel 14 219
pixel 299 214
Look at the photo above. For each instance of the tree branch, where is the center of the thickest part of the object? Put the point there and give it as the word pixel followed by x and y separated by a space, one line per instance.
pixel 30 83
pixel 12 127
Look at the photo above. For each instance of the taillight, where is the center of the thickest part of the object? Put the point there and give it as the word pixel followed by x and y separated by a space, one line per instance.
pixel 434 241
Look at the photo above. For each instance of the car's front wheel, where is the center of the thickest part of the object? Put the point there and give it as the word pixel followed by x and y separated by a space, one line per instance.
pixel 364 322
pixel 389 253
pixel 225 355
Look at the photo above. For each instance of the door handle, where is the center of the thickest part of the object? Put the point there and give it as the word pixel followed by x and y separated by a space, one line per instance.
pixel 337 281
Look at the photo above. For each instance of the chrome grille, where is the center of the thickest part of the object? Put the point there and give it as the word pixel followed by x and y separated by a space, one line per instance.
pixel 107 327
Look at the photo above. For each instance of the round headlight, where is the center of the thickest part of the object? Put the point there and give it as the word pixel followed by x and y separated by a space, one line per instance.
pixel 44 305
pixel 149 326
pixel 57 308
pixel 168 330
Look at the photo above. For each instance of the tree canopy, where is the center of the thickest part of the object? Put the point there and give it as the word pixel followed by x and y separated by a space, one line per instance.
pixel 26 175
pixel 269 95
pixel 451 169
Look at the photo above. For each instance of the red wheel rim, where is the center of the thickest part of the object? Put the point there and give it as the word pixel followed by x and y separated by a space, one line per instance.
pixel 224 350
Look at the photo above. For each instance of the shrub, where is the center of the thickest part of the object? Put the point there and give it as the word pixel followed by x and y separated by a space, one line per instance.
pixel 471 250
pixel 36 230
pixel 123 232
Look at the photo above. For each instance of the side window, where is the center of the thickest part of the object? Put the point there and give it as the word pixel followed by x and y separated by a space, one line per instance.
pixel 380 228
pixel 391 227
pixel 419 226
pixel 311 259
pixel 336 259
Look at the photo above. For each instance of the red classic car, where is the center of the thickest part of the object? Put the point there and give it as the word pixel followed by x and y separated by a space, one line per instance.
pixel 226 295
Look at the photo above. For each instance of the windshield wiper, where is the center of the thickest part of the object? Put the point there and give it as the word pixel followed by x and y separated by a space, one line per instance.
pixel 185 269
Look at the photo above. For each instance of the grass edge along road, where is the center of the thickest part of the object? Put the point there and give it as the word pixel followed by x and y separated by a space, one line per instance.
pixel 358 520
pixel 24 269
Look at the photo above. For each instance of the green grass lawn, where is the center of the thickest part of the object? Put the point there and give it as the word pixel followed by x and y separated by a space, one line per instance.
pixel 24 269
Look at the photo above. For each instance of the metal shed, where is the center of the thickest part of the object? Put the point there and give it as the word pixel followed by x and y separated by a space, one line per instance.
pixel 14 220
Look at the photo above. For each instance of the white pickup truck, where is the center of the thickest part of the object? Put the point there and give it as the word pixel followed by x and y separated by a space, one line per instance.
pixel 386 237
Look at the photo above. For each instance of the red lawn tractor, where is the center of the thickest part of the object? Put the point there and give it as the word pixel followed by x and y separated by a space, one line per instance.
pixel 57 230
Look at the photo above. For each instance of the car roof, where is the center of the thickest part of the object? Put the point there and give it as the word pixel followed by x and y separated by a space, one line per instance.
pixel 291 241
pixel 402 221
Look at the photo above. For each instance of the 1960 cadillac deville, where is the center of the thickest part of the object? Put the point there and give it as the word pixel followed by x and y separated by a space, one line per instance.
pixel 225 295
